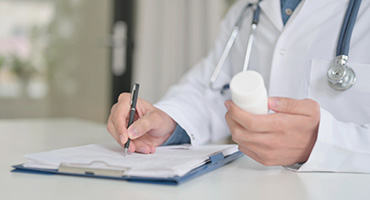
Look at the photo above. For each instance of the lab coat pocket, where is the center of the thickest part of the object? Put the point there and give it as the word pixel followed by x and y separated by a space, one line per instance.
pixel 352 105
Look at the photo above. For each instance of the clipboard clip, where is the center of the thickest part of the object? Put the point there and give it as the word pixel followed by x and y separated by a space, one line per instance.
pixel 216 157
pixel 95 168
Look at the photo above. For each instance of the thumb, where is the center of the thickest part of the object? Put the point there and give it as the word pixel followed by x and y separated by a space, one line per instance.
pixel 292 106
pixel 143 125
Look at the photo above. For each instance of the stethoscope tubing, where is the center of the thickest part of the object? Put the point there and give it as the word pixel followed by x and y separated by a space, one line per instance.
pixel 342 49
pixel 252 34
pixel 347 27
pixel 229 45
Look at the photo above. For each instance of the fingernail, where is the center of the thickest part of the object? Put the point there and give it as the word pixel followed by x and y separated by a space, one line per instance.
pixel 274 102
pixel 132 133
pixel 142 150
pixel 122 139
pixel 227 105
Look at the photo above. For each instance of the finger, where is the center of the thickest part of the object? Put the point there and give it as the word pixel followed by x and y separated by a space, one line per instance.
pixel 253 141
pixel 149 121
pixel 233 125
pixel 141 147
pixel 119 115
pixel 240 134
pixel 132 147
pixel 293 106
pixel 112 132
pixel 250 153
pixel 255 123
pixel 152 149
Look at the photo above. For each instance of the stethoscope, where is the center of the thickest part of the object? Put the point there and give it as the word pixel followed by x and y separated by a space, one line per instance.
pixel 340 76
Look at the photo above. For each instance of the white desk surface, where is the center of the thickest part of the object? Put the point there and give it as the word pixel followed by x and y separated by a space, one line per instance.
pixel 242 179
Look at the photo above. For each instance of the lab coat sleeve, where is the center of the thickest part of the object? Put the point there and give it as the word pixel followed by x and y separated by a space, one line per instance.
pixel 340 147
pixel 199 110
pixel 178 136
pixel 191 103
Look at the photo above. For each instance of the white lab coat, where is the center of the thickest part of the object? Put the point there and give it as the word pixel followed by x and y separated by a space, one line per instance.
pixel 293 59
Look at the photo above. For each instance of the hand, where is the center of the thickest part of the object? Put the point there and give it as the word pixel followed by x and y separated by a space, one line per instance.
pixel 284 138
pixel 151 128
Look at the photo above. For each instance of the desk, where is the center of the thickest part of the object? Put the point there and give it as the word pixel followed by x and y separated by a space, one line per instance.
pixel 242 179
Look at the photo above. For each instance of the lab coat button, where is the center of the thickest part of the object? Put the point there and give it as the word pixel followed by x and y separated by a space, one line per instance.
pixel 288 11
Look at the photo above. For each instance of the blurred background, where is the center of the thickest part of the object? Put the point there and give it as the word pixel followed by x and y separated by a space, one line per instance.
pixel 72 58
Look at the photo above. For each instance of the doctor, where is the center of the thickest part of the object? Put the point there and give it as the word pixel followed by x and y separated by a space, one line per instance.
pixel 295 45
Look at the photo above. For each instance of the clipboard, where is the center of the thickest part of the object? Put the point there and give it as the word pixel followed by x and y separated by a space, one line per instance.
pixel 214 162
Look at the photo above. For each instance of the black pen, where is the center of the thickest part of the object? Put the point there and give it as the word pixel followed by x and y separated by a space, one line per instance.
pixel 134 94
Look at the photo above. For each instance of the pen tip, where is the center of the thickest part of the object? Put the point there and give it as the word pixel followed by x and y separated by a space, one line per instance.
pixel 125 152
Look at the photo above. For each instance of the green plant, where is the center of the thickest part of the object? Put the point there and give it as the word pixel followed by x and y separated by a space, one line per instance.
pixel 23 68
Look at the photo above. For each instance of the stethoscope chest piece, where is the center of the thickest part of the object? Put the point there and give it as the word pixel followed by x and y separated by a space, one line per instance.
pixel 340 76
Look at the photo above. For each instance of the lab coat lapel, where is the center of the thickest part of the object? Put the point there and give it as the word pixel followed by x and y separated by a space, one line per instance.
pixel 312 13
pixel 271 8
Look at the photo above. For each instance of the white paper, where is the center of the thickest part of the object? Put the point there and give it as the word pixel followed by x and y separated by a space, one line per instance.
pixel 167 161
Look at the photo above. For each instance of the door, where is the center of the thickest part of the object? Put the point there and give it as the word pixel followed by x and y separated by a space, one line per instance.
pixel 122 47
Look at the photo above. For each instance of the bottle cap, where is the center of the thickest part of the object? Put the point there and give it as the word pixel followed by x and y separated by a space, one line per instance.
pixel 249 93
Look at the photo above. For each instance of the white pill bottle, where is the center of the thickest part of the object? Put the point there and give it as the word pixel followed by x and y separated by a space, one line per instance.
pixel 248 91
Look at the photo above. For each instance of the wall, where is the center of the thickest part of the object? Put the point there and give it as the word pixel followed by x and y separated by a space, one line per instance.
pixel 75 60
pixel 171 37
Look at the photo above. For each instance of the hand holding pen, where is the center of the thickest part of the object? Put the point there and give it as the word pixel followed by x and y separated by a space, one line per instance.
pixel 151 128
pixel 134 95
